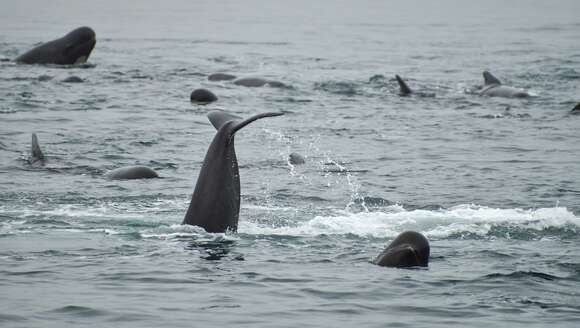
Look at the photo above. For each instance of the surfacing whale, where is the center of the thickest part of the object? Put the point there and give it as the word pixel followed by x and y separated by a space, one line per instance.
pixel 409 249
pixel 221 77
pixel 202 96
pixel 215 203
pixel 255 82
pixel 73 48
pixel 131 173
pixel 296 159
pixel 492 87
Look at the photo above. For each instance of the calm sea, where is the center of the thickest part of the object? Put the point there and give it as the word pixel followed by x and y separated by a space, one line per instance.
pixel 494 183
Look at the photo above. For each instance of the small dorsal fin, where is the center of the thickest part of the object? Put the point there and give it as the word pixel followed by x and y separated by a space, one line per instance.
pixel 577 108
pixel 405 90
pixel 489 79
pixel 218 118
pixel 35 152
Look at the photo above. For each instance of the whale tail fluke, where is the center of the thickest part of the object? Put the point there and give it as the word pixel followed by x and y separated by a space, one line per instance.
pixel 36 155
pixel 489 79
pixel 405 90
pixel 215 203
pixel 218 118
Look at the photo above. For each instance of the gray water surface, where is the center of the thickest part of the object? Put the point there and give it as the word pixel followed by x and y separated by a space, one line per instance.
pixel 494 183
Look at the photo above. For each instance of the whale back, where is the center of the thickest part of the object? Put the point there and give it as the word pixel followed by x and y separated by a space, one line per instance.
pixel 505 91
pixel 131 173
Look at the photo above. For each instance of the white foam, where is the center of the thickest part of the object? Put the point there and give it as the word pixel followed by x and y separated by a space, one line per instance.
pixel 118 210
pixel 390 221
pixel 435 223
pixel 178 231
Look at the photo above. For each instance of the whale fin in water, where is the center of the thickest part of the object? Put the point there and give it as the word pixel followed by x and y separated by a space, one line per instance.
pixel 489 79
pixel 36 155
pixel 405 90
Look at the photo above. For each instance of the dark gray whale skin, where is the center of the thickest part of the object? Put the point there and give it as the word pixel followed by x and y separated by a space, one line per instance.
pixel 296 159
pixel 221 77
pixel 409 249
pixel 255 82
pixel 406 91
pixel 215 203
pixel 203 96
pixel 36 156
pixel 73 48
pixel 131 173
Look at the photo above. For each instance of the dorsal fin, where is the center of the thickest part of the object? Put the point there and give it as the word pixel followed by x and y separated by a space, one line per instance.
pixel 577 108
pixel 218 118
pixel 35 152
pixel 405 90
pixel 490 79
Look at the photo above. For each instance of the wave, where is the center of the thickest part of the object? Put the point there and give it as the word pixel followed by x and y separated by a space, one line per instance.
pixel 343 88
pixel 161 220
pixel 463 221
pixel 79 311
pixel 521 275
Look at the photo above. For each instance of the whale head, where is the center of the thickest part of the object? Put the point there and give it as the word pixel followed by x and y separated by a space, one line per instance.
pixel 79 44
pixel 409 249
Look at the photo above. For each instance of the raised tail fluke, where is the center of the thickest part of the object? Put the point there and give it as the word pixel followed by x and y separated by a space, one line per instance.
pixel 405 90
pixel 218 118
pixel 256 117
pixel 215 203
pixel 489 79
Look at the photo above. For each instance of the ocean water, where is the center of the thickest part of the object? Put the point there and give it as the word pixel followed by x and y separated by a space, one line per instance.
pixel 494 183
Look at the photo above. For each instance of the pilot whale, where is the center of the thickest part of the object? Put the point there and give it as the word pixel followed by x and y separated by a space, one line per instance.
pixel 73 48
pixel 202 96
pixel 255 82
pixel 131 173
pixel 409 249
pixel 215 203
pixel 492 87
pixel 221 77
